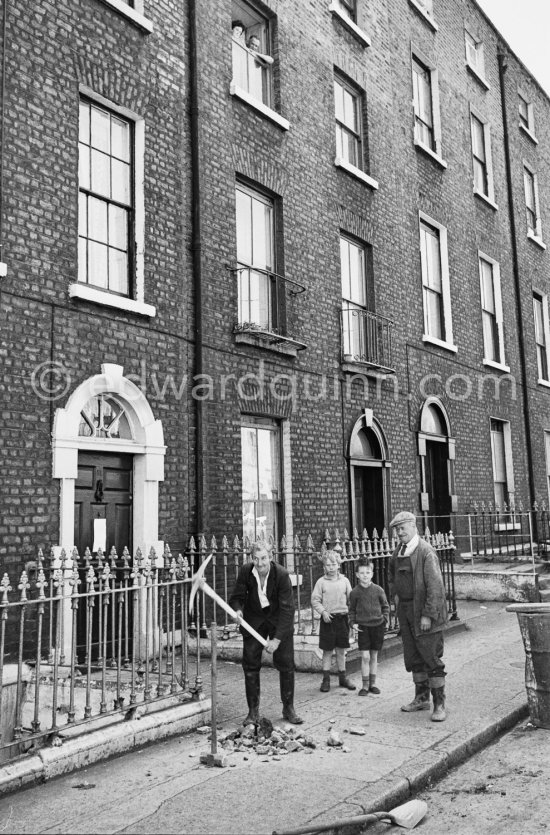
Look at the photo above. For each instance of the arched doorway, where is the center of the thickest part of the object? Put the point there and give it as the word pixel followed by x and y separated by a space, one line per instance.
pixel 369 476
pixel 437 453
pixel 108 454
pixel 105 438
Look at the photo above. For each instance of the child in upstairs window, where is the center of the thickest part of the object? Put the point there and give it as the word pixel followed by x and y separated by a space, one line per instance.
pixel 330 600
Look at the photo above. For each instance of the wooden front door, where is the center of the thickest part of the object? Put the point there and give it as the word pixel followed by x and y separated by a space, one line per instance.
pixel 103 518
pixel 437 487
pixel 103 491
pixel 369 499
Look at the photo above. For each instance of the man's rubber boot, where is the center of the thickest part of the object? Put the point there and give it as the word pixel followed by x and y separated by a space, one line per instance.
pixel 421 699
pixel 343 680
pixel 252 690
pixel 438 695
pixel 286 681
pixel 325 684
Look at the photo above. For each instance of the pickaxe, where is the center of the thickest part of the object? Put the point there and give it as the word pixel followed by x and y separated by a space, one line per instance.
pixel 198 582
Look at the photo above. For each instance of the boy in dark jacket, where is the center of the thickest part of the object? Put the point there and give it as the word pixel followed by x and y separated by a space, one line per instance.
pixel 369 611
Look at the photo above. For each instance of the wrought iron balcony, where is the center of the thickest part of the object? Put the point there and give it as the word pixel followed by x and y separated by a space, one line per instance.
pixel 264 299
pixel 366 338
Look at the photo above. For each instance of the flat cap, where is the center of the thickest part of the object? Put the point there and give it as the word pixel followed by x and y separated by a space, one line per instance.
pixel 404 516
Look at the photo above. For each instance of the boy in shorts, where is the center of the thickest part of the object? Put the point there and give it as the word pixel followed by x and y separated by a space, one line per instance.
pixel 369 610
pixel 330 599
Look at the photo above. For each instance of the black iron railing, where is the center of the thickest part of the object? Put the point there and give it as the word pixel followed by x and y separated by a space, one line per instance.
pixel 366 337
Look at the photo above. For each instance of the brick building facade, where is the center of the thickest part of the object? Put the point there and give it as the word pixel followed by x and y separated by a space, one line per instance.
pixel 270 286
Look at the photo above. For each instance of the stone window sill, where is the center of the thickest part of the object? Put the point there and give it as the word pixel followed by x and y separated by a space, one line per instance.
pixel 536 239
pixel 130 14
pixel 432 154
pixel 498 366
pixel 355 172
pixel 486 199
pixel 424 14
pixel 352 27
pixel 477 75
pixel 433 340
pixel 97 296
pixel 528 133
pixel 258 105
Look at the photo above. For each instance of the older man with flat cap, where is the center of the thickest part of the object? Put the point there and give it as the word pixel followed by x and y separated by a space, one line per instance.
pixel 417 584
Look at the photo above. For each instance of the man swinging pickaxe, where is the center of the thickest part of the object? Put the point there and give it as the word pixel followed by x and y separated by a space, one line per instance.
pixel 198 582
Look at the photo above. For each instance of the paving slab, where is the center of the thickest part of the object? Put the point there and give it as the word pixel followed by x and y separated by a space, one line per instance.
pixel 163 788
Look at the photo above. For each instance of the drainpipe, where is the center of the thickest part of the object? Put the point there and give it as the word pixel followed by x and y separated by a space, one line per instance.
pixel 196 250
pixel 3 265
pixel 502 67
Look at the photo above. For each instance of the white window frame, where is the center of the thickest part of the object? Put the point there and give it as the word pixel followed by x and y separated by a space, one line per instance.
pixel 447 322
pixel 135 13
pixel 97 295
pixel 534 234
pixel 281 430
pixel 500 362
pixel 434 152
pixel 354 336
pixel 529 128
pixel 265 272
pixel 488 196
pixel 545 345
pixel 475 57
pixel 508 462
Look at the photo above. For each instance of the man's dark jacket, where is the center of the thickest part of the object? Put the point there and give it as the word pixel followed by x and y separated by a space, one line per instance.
pixel 280 613
pixel 429 589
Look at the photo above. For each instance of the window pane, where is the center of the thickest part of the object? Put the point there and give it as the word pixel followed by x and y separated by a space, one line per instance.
pixel 478 138
pixel 97 264
pixel 84 166
pixel 120 138
pixel 82 215
pixel 259 285
pixel 433 309
pixel 101 176
pixel 339 101
pixel 82 263
pixel 487 287
pixel 249 463
pixel 350 111
pixel 261 243
pixel 357 275
pixel 244 227
pixel 100 130
pixel 118 271
pixel 268 465
pixel 118 226
pixel 84 123
pixel 490 337
pixel 97 220
pixel 120 183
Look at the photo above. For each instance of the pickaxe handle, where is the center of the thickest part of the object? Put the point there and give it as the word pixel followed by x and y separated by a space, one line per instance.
pixel 198 582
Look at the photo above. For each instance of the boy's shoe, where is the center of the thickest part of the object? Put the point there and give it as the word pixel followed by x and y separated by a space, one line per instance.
pixel 363 692
pixel 374 689
pixel 325 684
pixel 343 681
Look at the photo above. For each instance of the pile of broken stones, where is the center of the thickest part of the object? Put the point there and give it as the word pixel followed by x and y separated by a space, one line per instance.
pixel 275 742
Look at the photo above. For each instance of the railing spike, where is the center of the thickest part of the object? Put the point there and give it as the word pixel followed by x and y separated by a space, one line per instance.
pixel 5 588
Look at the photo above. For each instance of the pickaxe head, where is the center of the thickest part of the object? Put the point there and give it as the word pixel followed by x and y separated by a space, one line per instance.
pixel 196 581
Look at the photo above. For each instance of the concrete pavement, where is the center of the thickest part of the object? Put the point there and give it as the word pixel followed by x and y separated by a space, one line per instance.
pixel 163 788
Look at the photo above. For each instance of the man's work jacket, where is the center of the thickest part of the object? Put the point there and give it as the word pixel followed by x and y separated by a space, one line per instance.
pixel 429 591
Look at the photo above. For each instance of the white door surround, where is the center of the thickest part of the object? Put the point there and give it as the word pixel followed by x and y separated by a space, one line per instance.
pixel 146 445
